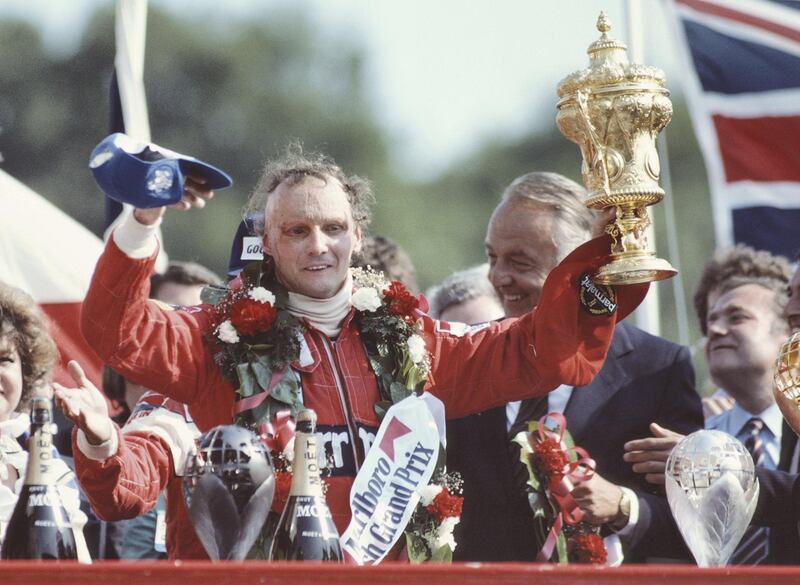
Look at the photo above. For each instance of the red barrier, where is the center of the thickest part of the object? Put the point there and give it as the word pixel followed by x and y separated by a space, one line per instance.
pixel 235 573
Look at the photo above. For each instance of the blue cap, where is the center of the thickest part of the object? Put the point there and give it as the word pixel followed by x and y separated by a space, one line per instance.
pixel 246 246
pixel 147 175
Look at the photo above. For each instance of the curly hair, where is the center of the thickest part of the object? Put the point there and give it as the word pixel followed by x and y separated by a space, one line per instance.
pixel 293 168
pixel 23 325
pixel 734 267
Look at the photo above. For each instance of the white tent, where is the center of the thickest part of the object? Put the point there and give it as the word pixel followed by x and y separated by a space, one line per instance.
pixel 52 257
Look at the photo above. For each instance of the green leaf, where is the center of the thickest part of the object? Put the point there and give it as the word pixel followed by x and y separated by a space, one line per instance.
pixel 561 548
pixel 248 385
pixel 287 391
pixel 443 554
pixel 416 548
pixel 398 392
pixel 262 368
pixel 376 366
pixel 381 407
pixel 525 452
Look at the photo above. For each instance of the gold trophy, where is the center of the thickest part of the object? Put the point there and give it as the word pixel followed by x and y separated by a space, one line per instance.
pixel 787 381
pixel 613 110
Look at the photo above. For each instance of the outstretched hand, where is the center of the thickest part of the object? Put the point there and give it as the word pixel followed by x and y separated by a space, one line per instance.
pixel 649 456
pixel 195 195
pixel 85 406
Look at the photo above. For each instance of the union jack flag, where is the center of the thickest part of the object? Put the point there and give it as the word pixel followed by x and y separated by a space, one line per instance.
pixel 742 59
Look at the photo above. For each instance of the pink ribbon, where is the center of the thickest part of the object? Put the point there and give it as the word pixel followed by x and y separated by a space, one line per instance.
pixel 276 437
pixel 560 485
pixel 252 401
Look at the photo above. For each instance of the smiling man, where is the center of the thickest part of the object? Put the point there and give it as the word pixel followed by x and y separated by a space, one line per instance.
pixel 540 219
pixel 741 303
pixel 315 217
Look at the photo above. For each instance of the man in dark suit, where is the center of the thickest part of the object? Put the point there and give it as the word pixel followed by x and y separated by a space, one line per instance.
pixel 540 219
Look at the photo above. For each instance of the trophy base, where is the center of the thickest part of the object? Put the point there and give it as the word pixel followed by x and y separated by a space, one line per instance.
pixel 634 270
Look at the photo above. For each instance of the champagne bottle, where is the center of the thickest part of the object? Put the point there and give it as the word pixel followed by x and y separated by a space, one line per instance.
pixel 306 531
pixel 39 527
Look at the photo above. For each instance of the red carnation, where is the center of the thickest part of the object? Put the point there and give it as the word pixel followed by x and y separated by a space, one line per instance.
pixel 283 482
pixel 399 300
pixel 549 458
pixel 250 317
pixel 445 505
pixel 587 548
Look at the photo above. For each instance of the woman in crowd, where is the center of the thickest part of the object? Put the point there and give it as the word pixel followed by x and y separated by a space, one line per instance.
pixel 27 356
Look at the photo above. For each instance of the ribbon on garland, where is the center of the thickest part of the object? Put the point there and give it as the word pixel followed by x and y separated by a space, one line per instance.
pixel 277 436
pixel 256 399
pixel 560 484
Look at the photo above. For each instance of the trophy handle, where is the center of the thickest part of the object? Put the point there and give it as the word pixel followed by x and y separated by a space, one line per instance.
pixel 600 148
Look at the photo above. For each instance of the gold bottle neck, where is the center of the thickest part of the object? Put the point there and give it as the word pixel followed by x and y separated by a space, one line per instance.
pixel 40 456
pixel 305 467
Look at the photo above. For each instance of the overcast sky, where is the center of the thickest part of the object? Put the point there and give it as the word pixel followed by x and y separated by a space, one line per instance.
pixel 444 74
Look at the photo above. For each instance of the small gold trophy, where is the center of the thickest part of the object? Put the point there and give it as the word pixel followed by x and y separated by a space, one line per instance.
pixel 787 381
pixel 613 110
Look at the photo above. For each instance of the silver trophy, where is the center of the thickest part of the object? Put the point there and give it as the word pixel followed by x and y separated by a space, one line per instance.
pixel 228 491
pixel 712 490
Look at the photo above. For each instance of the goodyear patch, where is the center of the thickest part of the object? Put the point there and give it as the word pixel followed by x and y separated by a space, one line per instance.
pixel 596 299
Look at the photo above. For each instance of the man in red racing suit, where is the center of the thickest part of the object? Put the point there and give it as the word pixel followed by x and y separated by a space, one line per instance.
pixel 166 350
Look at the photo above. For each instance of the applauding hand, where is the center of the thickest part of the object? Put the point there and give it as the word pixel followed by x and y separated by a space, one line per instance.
pixel 85 406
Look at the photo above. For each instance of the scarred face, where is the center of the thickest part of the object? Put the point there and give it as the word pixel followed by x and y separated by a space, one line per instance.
pixel 521 252
pixel 10 378
pixel 311 235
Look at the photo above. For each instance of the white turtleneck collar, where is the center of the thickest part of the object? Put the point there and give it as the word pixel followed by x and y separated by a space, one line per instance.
pixel 323 314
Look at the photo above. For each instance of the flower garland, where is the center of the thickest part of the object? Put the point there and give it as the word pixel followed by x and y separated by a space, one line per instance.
pixel 387 316
pixel 258 340
pixel 553 462
pixel 429 534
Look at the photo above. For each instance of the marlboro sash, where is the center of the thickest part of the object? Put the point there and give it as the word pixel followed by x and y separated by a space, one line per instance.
pixel 401 461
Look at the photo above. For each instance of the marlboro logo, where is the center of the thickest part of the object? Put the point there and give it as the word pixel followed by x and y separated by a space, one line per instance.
pixel 596 299
pixel 394 430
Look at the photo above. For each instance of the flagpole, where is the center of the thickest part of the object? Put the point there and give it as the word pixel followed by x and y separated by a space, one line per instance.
pixel 130 32
pixel 678 289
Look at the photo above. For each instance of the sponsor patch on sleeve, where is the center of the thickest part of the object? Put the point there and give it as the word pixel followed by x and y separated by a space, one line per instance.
pixel 596 299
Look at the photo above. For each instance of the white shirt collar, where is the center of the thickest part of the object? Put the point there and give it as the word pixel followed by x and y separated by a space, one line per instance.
pixel 772 417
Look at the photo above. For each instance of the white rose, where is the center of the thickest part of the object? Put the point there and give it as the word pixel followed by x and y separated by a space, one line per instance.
pixel 428 493
pixel 227 332
pixel 416 349
pixel 444 533
pixel 262 295
pixel 366 299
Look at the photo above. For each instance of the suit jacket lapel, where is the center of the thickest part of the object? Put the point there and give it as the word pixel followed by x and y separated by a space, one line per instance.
pixel 587 400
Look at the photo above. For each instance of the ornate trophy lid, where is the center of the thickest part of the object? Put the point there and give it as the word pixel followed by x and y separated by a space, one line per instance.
pixel 610 70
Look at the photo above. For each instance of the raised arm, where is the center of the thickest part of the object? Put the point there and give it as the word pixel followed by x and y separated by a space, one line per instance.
pixel 559 342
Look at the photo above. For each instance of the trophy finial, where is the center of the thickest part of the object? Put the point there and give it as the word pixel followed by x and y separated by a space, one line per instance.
pixel 603 23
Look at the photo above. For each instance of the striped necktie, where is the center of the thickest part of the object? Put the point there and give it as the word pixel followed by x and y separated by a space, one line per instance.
pixel 754 546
